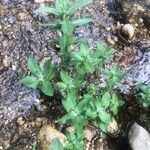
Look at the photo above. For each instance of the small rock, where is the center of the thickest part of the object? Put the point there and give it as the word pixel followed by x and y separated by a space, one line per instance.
pixel 140 20
pixel 90 132
pixel 139 138
pixel 15 138
pixel 108 29
pixel 110 41
pixel 6 61
pixel 38 122
pixel 128 30
pixel 2 10
pixel 23 15
pixel 47 134
pixel 14 67
pixel 113 127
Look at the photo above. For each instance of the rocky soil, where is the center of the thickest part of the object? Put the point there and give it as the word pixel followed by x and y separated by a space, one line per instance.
pixel 24 111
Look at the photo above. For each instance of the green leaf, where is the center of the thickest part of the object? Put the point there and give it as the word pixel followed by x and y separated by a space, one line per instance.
pixel 91 113
pixel 46 9
pixel 79 122
pixel 34 67
pixel 46 88
pixel 30 81
pixel 56 145
pixel 71 102
pixel 67 27
pixel 144 88
pixel 84 102
pixel 64 76
pixel 59 6
pixel 52 25
pixel 65 41
pixel 34 146
pixel 78 56
pixel 48 70
pixel 89 67
pixel 62 86
pixel 103 127
pixel 84 49
pixel 65 119
pixel 78 5
pixel 115 104
pixel 81 22
pixel 104 117
pixel 105 101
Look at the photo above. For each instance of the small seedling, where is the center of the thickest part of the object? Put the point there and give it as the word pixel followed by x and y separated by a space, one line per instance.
pixel 41 77
pixel 63 10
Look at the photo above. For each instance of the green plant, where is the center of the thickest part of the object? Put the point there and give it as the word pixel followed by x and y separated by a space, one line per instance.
pixel 41 78
pixel 144 94
pixel 103 108
pixel 63 10
pixel 82 100
pixel 87 61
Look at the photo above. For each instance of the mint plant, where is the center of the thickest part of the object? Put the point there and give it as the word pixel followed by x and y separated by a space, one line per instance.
pixel 103 108
pixel 83 101
pixel 144 94
pixel 41 78
pixel 64 10
pixel 87 61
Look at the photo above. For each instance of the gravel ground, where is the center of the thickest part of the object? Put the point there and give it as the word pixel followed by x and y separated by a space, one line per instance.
pixel 21 38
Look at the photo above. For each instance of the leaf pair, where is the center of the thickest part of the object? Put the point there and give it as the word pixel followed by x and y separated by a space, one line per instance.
pixel 41 76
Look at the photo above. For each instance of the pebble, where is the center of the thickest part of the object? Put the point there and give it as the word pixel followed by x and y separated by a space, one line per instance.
pixel 113 127
pixel 23 16
pixel 128 30
pixel 108 28
pixel 6 61
pixel 38 122
pixel 140 20
pixel 110 41
pixel 1 147
pixel 15 138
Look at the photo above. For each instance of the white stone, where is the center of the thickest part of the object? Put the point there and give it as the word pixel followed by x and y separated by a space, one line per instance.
pixel 139 138
pixel 128 30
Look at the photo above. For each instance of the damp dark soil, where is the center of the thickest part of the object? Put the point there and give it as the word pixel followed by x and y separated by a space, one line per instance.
pixel 24 111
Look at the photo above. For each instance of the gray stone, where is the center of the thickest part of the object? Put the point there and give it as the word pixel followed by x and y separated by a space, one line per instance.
pixel 139 138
